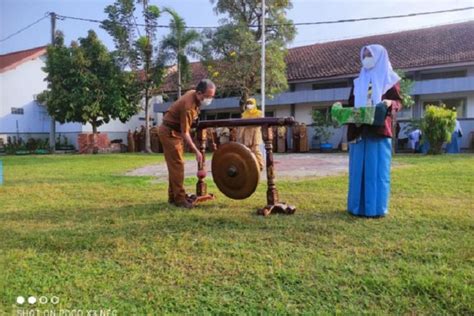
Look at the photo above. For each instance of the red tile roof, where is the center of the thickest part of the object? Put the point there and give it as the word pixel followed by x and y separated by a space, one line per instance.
pixel 12 60
pixel 435 46
pixel 197 70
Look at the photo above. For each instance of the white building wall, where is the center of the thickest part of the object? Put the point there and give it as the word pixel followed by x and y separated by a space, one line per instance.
pixel 281 111
pixel 303 113
pixel 18 88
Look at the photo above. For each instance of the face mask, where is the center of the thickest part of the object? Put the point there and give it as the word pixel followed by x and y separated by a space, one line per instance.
pixel 368 62
pixel 250 106
pixel 206 102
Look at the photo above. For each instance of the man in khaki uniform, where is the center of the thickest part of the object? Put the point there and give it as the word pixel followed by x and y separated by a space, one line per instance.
pixel 251 136
pixel 175 128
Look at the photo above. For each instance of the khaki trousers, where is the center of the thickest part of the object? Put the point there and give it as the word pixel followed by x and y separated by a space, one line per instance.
pixel 258 154
pixel 173 150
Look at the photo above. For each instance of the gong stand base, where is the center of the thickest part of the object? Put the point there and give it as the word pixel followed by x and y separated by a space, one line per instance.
pixel 279 208
pixel 195 200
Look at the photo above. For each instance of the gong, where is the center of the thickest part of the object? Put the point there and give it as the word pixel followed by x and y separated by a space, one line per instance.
pixel 235 170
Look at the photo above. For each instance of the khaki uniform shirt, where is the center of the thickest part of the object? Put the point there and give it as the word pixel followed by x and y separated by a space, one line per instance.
pixel 183 112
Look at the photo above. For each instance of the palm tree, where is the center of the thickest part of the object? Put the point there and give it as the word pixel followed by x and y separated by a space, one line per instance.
pixel 178 45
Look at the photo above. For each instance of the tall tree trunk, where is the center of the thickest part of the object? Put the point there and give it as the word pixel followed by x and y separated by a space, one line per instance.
pixel 147 122
pixel 178 64
pixel 95 148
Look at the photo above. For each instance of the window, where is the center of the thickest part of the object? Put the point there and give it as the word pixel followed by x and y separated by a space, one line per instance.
pixel 17 111
pixel 443 75
pixel 210 116
pixel 223 116
pixel 330 85
pixel 325 111
pixel 459 104
pixel 405 113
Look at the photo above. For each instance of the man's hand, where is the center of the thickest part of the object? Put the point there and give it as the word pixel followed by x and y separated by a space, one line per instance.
pixel 190 142
pixel 198 157
pixel 387 103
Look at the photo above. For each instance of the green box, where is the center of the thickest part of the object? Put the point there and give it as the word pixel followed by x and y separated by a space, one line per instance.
pixel 369 115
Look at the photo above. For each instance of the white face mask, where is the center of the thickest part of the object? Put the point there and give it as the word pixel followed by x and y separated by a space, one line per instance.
pixel 206 102
pixel 368 62
pixel 250 106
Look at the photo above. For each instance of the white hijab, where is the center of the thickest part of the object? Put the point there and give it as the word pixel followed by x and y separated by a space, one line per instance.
pixel 381 75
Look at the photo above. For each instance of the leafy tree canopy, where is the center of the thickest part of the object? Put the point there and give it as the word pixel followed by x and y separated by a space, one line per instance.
pixel 232 53
pixel 86 85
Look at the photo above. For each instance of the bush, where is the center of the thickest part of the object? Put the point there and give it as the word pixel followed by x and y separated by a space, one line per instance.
pixel 32 145
pixel 437 127
pixel 321 126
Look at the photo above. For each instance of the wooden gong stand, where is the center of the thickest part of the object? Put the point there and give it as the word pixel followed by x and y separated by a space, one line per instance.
pixel 266 123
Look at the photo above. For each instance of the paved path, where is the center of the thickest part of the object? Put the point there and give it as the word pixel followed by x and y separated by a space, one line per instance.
pixel 286 166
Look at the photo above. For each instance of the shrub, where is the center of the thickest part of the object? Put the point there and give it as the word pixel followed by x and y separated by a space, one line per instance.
pixel 437 127
pixel 321 126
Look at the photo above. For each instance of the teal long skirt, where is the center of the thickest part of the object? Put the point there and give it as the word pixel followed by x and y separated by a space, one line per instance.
pixel 369 176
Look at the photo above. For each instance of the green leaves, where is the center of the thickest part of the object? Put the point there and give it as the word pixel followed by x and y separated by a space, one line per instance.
pixel 153 11
pixel 405 89
pixel 321 125
pixel 437 126
pixel 178 44
pixel 86 85
pixel 234 49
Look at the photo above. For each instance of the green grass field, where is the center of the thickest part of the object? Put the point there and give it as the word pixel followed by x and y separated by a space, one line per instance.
pixel 76 228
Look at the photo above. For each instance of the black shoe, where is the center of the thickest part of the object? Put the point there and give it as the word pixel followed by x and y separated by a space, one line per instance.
pixel 184 204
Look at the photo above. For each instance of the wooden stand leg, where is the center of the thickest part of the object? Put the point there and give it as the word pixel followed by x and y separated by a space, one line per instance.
pixel 273 206
pixel 201 185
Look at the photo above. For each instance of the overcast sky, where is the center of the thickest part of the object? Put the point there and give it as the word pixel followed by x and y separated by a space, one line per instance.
pixel 16 14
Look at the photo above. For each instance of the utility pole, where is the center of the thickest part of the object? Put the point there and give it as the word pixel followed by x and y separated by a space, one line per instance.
pixel 263 59
pixel 178 64
pixel 52 131
pixel 148 56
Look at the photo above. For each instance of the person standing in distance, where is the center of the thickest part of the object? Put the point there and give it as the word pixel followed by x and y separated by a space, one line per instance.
pixel 176 128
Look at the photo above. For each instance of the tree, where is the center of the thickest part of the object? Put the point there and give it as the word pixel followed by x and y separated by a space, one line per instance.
pixel 136 51
pixel 177 45
pixel 86 85
pixel 407 102
pixel 232 53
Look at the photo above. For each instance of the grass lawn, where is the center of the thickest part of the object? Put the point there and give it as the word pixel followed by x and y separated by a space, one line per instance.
pixel 76 228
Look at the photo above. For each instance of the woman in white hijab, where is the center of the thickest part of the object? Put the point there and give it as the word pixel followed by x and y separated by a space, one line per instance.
pixel 370 149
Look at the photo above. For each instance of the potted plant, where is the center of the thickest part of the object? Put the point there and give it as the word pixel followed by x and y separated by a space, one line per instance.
pixel 322 133
pixel 437 126
pixel 63 145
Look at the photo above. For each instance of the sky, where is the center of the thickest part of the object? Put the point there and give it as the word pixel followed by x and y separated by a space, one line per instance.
pixel 17 14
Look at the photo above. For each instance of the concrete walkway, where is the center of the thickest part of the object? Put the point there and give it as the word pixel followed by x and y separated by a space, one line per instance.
pixel 286 166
